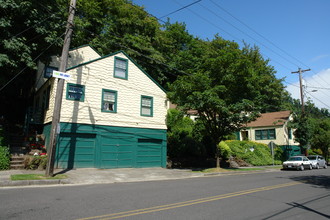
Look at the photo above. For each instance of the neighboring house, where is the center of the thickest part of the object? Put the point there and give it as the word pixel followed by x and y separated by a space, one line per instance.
pixel 270 127
pixel 112 115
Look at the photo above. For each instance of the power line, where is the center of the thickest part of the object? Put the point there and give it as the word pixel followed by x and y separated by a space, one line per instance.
pixel 318 100
pixel 245 33
pixel 37 57
pixel 181 8
pixel 260 35
pixel 206 20
pixel 243 23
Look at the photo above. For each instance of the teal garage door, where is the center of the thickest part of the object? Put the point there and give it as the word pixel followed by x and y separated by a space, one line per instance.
pixel 76 150
pixel 117 151
pixel 149 153
pixel 124 151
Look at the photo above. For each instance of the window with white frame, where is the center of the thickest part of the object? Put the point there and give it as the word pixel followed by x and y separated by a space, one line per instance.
pixel 146 106
pixel 109 100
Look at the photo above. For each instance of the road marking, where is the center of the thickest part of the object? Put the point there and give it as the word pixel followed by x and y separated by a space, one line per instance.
pixel 188 203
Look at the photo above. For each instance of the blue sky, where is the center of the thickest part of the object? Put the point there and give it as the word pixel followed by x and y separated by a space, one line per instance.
pixel 290 33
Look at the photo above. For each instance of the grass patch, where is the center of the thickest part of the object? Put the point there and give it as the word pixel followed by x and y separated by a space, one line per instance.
pixel 274 167
pixel 36 177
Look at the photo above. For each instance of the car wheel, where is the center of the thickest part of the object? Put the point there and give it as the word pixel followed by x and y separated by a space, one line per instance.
pixel 325 166
pixel 302 167
pixel 310 166
pixel 317 166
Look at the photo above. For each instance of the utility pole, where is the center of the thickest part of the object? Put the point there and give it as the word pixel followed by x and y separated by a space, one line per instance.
pixel 300 71
pixel 55 129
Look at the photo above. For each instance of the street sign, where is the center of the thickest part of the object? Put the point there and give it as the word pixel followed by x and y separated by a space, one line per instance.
pixel 58 74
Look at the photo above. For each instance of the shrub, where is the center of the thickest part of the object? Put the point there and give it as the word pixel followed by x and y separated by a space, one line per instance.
pixel 315 152
pixel 225 151
pixel 36 162
pixel 4 158
pixel 254 153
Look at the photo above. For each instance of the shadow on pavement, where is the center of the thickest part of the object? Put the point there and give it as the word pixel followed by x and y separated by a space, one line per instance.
pixel 319 181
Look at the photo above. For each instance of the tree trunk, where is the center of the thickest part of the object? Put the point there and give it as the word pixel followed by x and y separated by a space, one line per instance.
pixel 217 156
pixel 218 162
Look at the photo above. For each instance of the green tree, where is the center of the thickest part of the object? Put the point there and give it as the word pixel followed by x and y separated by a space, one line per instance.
pixel 227 89
pixel 321 137
pixel 30 31
pixel 179 134
pixel 306 124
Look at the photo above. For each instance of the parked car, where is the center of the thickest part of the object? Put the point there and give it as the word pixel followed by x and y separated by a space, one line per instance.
pixel 298 163
pixel 317 161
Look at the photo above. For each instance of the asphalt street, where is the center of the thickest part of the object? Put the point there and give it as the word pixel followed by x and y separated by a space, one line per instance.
pixel 269 195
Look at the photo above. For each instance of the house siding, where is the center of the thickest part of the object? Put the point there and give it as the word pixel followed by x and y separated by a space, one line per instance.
pixel 76 56
pixel 98 75
pixel 282 137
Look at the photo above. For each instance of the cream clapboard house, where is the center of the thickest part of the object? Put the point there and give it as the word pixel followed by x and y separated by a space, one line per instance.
pixel 271 127
pixel 112 116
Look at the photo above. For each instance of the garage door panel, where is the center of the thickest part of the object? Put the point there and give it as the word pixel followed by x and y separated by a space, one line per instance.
pixel 149 153
pixel 76 150
pixel 117 151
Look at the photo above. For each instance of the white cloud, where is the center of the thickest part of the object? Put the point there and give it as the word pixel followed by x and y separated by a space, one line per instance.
pixel 319 82
pixel 319 57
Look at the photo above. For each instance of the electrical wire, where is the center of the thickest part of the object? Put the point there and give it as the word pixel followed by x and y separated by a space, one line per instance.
pixel 184 7
pixel 37 57
pixel 266 39
pixel 260 35
pixel 318 100
pixel 231 35
pixel 262 44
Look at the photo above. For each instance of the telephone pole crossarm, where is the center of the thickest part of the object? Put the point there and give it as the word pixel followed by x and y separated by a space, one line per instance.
pixel 300 71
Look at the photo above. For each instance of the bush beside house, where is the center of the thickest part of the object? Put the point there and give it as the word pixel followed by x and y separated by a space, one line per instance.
pixel 4 152
pixel 252 153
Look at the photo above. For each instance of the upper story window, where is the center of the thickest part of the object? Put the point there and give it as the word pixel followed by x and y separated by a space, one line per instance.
pixel 109 100
pixel 49 71
pixel 75 92
pixel 146 106
pixel 267 134
pixel 121 66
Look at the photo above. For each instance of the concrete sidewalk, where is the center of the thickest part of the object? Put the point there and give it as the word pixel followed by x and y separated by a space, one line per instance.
pixel 83 176
pixel 96 176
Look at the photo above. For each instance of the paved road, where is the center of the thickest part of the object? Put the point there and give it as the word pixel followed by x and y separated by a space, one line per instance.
pixel 272 195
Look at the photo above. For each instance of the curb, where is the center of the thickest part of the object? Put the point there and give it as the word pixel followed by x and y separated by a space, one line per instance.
pixel 33 182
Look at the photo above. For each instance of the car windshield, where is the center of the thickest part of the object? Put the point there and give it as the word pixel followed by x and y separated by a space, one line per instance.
pixel 295 158
pixel 312 157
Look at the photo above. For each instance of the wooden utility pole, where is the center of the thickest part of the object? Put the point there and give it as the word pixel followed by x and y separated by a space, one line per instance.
pixel 300 71
pixel 55 129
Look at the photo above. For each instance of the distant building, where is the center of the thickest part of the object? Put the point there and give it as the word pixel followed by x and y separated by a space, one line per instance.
pixel 269 127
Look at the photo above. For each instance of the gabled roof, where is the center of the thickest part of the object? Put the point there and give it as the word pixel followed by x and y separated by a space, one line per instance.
pixel 270 119
pixel 113 54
